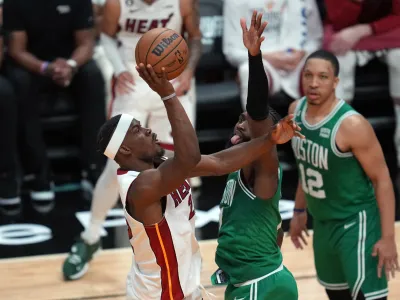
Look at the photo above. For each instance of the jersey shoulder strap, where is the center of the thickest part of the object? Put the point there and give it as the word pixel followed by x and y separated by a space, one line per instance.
pixel 299 107
pixel 125 179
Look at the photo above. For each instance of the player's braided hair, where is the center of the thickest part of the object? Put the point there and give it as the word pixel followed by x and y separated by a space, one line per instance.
pixel 105 133
pixel 273 114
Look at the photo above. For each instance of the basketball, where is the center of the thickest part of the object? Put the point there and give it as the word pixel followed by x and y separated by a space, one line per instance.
pixel 163 48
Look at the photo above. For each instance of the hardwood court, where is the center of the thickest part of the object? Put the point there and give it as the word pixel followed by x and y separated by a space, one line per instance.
pixel 40 277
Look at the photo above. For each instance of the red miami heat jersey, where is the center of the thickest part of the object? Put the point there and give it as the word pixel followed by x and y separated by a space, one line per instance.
pixel 166 256
pixel 137 17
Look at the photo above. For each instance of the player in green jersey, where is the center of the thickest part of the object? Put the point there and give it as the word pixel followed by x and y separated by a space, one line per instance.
pixel 344 181
pixel 248 255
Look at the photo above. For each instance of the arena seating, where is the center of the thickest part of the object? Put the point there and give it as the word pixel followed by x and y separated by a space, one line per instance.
pixel 218 96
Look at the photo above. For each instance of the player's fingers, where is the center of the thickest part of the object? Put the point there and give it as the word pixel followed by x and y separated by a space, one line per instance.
pixel 306 231
pixel 289 117
pixel 164 73
pixel 388 268
pixel 262 28
pixel 393 268
pixel 260 40
pixel 143 72
pixel 296 242
pixel 258 21
pixel 303 239
pixel 243 25
pixel 298 134
pixel 253 19
pixel 129 78
pixel 153 75
pixel 380 266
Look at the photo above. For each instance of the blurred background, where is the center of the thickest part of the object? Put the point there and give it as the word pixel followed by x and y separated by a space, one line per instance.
pixel 33 222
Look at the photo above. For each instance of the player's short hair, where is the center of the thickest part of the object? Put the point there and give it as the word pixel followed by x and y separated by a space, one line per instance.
pixel 326 55
pixel 273 114
pixel 105 133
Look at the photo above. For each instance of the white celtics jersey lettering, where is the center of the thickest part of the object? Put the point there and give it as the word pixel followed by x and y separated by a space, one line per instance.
pixel 310 152
pixel 137 17
pixel 166 260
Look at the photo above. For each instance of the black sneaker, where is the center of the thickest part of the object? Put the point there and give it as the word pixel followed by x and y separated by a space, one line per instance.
pixel 10 201
pixel 41 192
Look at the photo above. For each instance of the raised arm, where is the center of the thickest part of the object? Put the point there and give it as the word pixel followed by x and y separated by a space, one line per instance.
pixel 153 184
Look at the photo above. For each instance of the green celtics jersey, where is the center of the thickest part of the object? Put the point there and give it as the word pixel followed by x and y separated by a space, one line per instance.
pixel 247 247
pixel 335 185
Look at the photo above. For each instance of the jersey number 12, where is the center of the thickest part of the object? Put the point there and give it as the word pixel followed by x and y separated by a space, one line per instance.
pixel 312 182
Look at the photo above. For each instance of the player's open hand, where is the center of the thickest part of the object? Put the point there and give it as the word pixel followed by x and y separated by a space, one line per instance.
pixel 160 85
pixel 386 251
pixel 285 130
pixel 298 226
pixel 252 37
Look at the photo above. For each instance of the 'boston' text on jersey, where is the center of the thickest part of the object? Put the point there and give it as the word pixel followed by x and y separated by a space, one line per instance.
pixel 143 25
pixel 310 152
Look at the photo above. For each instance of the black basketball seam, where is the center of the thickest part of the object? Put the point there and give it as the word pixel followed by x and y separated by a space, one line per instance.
pixel 169 52
pixel 153 43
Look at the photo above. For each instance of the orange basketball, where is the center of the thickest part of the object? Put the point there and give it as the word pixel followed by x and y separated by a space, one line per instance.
pixel 163 47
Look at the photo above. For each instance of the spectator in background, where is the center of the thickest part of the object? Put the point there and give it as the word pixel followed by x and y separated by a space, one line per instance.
pixel 294 29
pixel 52 46
pixel 357 31
pixel 99 55
pixel 9 198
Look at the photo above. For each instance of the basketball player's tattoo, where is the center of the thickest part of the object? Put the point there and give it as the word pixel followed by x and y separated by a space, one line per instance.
pixel 195 53
pixel 194 43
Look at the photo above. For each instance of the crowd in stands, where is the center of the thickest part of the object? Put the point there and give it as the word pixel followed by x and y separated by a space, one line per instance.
pixel 50 46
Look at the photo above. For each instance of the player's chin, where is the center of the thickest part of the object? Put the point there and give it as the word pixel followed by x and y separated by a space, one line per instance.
pixel 313 101
pixel 160 151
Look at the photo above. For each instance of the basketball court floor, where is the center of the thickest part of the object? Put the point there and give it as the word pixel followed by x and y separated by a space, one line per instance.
pixel 39 277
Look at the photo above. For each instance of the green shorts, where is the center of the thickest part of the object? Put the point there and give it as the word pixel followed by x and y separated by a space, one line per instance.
pixel 343 255
pixel 277 286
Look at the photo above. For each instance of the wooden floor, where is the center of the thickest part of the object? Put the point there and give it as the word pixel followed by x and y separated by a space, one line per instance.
pixel 39 278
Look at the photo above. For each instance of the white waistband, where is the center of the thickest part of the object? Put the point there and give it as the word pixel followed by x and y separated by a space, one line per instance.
pixel 280 268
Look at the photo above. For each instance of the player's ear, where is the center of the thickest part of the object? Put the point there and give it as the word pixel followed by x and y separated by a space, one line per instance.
pixel 124 150
pixel 336 82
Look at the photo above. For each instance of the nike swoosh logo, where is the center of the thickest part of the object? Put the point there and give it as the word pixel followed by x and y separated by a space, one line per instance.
pixel 346 226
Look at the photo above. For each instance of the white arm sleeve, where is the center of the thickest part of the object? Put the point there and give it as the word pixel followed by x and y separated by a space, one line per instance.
pixel 113 55
pixel 234 50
